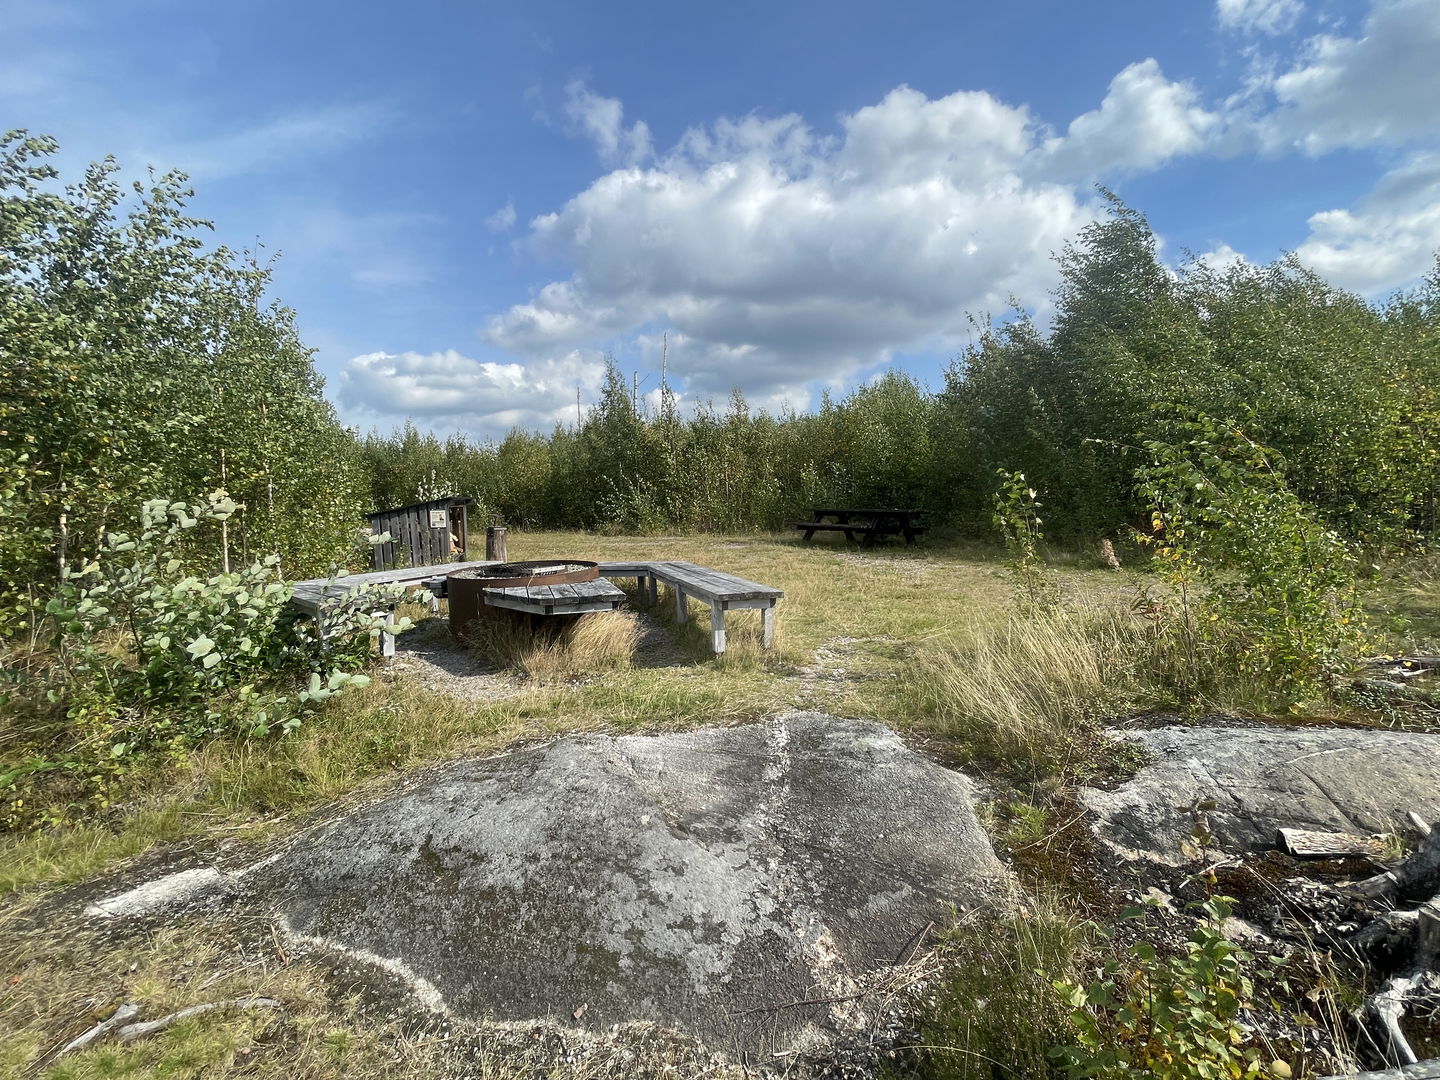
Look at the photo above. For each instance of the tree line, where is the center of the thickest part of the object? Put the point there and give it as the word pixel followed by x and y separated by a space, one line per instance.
pixel 1342 390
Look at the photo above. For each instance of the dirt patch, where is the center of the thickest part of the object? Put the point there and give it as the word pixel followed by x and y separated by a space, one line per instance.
pixel 829 672
pixel 428 657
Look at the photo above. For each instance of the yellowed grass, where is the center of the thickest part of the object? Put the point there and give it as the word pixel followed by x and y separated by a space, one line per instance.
pixel 60 984
pixel 1021 690
pixel 564 647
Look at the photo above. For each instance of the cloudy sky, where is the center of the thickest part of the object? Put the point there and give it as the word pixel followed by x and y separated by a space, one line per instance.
pixel 474 202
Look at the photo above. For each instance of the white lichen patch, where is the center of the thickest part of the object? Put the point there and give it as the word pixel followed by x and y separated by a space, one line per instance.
pixel 161 893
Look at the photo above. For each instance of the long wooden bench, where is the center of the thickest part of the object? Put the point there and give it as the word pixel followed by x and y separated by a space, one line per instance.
pixel 723 592
pixel 315 596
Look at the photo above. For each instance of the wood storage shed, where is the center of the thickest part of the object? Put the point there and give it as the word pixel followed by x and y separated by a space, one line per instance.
pixel 422 534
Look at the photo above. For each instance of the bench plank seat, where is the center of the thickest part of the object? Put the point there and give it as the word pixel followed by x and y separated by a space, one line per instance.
pixel 573 599
pixel 314 595
pixel 723 592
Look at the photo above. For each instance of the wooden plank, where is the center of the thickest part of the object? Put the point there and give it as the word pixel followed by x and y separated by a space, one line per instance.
pixel 1305 844
pixel 310 594
pixel 625 569
pixel 382 551
pixel 428 535
pixel 415 556
pixel 710 584
pixel 748 605
pixel 868 511
pixel 599 587
pixel 557 599
pixel 422 537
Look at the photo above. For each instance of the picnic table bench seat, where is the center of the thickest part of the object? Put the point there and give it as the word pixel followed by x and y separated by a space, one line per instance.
pixel 723 592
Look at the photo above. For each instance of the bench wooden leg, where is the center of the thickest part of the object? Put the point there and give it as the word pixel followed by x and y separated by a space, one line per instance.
pixel 682 609
pixel 717 628
pixel 387 639
pixel 767 627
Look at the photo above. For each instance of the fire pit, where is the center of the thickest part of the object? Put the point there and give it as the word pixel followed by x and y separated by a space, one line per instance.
pixel 466 588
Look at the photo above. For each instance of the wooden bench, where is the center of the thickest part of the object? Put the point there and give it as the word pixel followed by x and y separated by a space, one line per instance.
pixel 576 599
pixel 723 592
pixel 314 596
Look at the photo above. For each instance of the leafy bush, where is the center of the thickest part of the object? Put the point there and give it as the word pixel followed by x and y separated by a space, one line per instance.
pixel 1264 595
pixel 148 658
pixel 134 359
pixel 1167 1017
pixel 1017 517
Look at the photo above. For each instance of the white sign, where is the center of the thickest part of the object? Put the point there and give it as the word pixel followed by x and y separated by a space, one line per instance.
pixel 439 519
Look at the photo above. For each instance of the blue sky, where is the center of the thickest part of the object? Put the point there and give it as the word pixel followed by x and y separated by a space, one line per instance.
pixel 476 202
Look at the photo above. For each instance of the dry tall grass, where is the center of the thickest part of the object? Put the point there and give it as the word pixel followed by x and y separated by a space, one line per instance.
pixel 1023 689
pixel 560 647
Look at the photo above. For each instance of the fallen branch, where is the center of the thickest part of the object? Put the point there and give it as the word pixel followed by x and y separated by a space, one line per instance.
pixel 1388 1006
pixel 131 1032
pixel 124 1031
pixel 121 1015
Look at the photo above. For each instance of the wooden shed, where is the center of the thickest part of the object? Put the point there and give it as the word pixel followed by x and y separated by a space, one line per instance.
pixel 423 533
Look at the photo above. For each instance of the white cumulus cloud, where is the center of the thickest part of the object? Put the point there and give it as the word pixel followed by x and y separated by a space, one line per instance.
pixel 1144 121
pixel 449 391
pixel 1259 16
pixel 1379 88
pixel 779 257
pixel 1389 238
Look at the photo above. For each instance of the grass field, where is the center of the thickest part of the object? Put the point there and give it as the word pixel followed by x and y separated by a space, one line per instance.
pixel 926 640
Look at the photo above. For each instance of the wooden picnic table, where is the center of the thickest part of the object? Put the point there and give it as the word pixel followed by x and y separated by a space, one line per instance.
pixel 869 524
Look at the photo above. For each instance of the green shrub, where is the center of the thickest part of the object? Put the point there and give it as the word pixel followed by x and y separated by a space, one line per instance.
pixel 1167 1017
pixel 1263 595
pixel 1017 517
pixel 148 658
